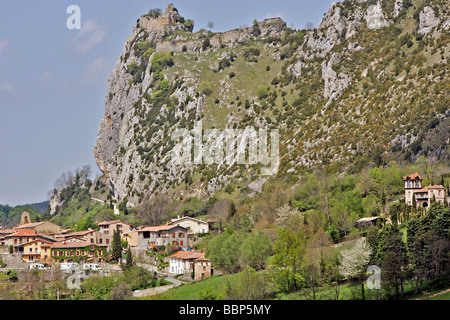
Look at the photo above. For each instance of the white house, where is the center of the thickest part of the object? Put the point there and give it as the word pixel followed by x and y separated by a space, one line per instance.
pixel 193 225
pixel 182 262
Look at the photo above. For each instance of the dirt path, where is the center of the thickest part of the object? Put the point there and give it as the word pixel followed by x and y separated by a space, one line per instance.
pixel 433 295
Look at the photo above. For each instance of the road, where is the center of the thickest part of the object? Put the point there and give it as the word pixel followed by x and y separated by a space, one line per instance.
pixel 148 292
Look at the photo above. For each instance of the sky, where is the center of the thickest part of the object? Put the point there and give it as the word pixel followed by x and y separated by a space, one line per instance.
pixel 53 79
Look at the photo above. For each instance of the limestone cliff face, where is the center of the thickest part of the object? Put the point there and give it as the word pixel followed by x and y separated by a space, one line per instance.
pixel 116 146
pixel 336 92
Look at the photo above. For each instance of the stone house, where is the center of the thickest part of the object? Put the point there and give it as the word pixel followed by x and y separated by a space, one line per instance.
pixel 42 227
pixel 108 227
pixel 202 269
pixel 188 262
pixel 90 236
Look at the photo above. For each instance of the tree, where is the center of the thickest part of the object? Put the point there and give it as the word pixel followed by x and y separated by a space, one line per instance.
pixel 316 257
pixel 354 261
pixel 129 260
pixel 309 26
pixel 116 246
pixel 252 285
pixel 224 251
pixel 86 224
pixel 283 214
pixel 391 254
pixel 289 252
pixel 121 292
pixel 210 25
pixel 153 212
pixel 255 249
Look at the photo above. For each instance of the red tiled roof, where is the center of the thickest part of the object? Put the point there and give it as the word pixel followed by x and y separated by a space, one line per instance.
pixel 435 187
pixel 79 233
pixel 73 244
pixel 187 255
pixel 194 255
pixel 108 222
pixel 29 225
pixel 6 231
pixel 164 227
pixel 202 259
pixel 23 233
pixel 412 177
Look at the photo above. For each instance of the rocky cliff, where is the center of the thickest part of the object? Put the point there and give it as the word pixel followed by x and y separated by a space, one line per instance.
pixel 336 94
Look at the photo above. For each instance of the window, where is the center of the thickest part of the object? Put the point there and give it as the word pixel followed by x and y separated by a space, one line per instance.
pixel 146 234
pixel 181 242
pixel 107 241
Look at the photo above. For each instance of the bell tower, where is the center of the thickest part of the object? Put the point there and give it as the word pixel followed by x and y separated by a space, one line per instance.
pixel 25 218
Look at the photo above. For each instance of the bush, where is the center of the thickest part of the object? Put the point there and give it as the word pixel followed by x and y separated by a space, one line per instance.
pixel 262 93
pixel 205 88
pixel 121 292
pixel 12 275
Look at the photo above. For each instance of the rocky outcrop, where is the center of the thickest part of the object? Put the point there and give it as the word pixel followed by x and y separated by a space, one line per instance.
pixel 375 17
pixel 427 21
pixel 335 83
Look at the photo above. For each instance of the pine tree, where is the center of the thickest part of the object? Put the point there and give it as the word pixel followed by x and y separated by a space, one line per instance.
pixel 116 245
pixel 129 258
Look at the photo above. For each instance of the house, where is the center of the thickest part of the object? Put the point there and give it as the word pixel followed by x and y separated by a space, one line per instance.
pixel 42 227
pixel 91 236
pixel 131 237
pixel 24 236
pixel 108 227
pixel 75 250
pixel 188 262
pixel 422 196
pixel 36 250
pixel 3 233
pixel 369 221
pixel 202 269
pixel 164 235
pixel 193 225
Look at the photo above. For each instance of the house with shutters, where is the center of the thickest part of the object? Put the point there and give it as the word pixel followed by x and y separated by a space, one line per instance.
pixel 188 262
pixel 90 236
pixel 150 237
pixel 36 251
pixel 193 225
pixel 108 227
pixel 76 250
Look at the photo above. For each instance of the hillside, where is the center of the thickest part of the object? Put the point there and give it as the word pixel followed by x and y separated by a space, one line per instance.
pixel 339 94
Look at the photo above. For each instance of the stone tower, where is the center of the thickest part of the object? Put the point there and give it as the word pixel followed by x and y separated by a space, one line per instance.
pixel 25 218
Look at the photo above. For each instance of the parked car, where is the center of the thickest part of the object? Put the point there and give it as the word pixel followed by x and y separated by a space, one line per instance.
pixel 91 266
pixel 69 266
pixel 38 266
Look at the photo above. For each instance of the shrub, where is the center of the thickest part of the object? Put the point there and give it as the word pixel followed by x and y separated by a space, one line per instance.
pixel 262 93
pixel 205 88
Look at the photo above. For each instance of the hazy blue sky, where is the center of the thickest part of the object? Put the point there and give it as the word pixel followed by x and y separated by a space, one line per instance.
pixel 53 80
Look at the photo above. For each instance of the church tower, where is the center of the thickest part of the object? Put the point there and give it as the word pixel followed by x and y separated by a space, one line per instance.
pixel 25 218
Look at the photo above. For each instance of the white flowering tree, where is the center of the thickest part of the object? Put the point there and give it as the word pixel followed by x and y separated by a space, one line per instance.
pixel 354 261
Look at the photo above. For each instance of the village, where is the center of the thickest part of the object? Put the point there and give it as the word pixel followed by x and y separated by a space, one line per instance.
pixel 45 246
pixel 168 250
